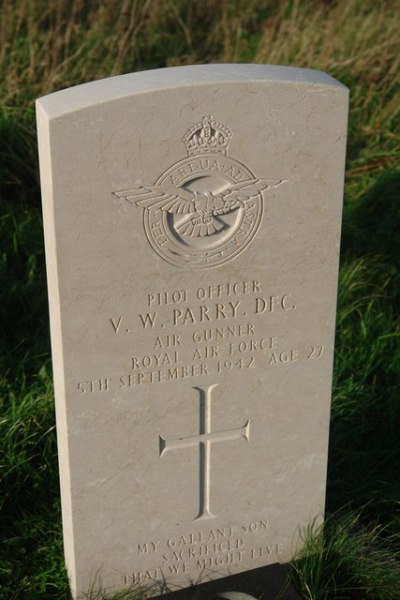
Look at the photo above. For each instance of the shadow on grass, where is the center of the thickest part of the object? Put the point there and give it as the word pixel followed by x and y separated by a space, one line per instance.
pixel 364 459
pixel 371 227
pixel 18 158
pixel 24 331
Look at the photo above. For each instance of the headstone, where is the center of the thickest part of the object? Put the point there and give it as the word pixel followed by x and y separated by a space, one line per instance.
pixel 192 222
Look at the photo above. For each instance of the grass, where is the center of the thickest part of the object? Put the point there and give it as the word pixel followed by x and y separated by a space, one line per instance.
pixel 46 46
pixel 346 560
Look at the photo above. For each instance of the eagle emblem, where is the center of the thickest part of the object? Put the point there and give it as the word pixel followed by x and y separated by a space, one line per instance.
pixel 205 209
pixel 202 211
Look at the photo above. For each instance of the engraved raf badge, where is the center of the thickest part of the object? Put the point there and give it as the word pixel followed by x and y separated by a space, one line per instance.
pixel 204 210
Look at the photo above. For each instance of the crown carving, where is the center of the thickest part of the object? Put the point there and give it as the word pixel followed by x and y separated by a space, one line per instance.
pixel 209 136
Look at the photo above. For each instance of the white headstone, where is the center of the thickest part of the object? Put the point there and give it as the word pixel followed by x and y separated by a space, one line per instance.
pixel 192 221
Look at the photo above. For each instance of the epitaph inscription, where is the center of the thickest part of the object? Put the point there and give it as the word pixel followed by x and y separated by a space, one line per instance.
pixel 204 441
pixel 192 303
pixel 204 210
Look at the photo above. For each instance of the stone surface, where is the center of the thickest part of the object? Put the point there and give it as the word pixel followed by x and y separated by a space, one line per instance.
pixel 192 223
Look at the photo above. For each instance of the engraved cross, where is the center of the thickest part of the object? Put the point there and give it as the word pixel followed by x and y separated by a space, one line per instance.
pixel 204 440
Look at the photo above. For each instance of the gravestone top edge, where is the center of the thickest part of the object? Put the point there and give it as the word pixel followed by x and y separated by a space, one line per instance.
pixel 84 95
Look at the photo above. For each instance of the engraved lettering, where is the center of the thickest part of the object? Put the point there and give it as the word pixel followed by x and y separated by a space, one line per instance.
pixel 155 360
pixel 205 353
pixel 158 233
pixel 223 333
pixel 267 550
pixel 273 303
pixel 167 298
pixel 144 576
pixel 227 365
pixel 178 568
pixel 194 167
pixel 93 386
pixel 202 313
pixel 228 289
pixel 315 352
pixel 167 341
pixel 116 324
pixel 218 561
pixel 255 526
pixel 282 357
pixel 175 180
pixel 140 377
pixel 148 319
pixel 186 315
pixel 199 537
pixel 220 311
pixel 253 345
